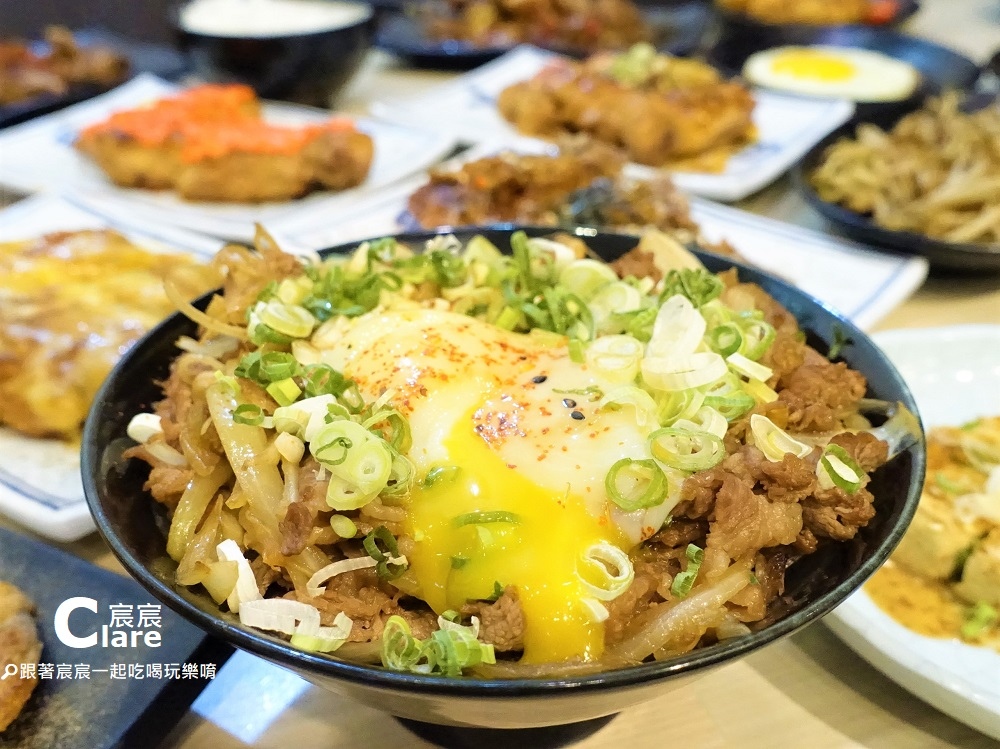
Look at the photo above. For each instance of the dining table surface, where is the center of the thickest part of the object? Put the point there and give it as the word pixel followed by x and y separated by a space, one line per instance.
pixel 807 690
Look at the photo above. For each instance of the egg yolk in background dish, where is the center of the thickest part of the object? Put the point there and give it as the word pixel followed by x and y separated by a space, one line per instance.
pixel 811 63
pixel 521 496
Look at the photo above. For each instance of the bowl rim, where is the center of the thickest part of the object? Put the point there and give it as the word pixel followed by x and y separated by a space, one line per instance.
pixel 223 625
pixel 907 9
pixel 174 18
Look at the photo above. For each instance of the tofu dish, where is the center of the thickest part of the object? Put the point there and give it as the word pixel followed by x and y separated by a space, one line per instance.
pixel 211 143
pixel 661 110
pixel 458 461
pixel 943 580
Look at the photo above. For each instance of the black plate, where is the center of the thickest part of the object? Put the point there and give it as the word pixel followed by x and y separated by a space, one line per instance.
pixel 940 68
pixel 681 25
pixel 143 58
pixel 942 255
pixel 127 517
pixel 100 713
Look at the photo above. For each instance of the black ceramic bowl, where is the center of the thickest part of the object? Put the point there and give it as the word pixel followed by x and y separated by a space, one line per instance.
pixel 308 68
pixel 743 28
pixel 678 30
pixel 940 68
pixel 126 516
pixel 942 255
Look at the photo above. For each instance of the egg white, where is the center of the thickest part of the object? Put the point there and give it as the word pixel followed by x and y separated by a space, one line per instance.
pixel 493 403
pixel 870 76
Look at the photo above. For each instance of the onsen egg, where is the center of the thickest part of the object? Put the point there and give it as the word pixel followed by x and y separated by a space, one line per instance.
pixel 833 72
pixel 512 427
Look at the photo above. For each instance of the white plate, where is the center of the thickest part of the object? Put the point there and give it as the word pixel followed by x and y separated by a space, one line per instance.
pixel 38 155
pixel 788 126
pixel 954 374
pixel 40 484
pixel 862 284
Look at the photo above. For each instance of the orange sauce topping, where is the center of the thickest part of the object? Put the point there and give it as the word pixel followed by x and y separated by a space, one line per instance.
pixel 211 121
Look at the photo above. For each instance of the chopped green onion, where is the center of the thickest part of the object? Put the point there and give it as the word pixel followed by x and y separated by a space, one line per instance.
pixel 384 554
pixel 725 339
pixel 635 484
pixel 607 571
pixel 249 366
pixel 361 463
pixel 615 357
pixel 322 379
pixel 980 618
pixel 248 413
pixel 697 284
pixel 774 442
pixel 757 338
pixel 841 469
pixel 680 404
pixel 684 581
pixel 479 518
pixel 440 474
pixel 686 450
pixel 683 372
pixel 840 339
pixel 458 561
pixel 733 405
pixel 592 392
pixel 584 277
pixel 748 368
pixel 286 319
pixel 343 526
pixel 448 651
pixel 630 395
pixel 576 351
pixel 285 392
pixel 497 592
pixel 759 391
pixel 945 483
pixel 274 366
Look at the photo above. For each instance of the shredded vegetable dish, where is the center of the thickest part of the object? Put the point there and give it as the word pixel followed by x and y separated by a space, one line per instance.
pixel 459 461
pixel 943 580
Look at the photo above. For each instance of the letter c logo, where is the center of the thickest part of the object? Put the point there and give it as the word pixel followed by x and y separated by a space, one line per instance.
pixel 61 622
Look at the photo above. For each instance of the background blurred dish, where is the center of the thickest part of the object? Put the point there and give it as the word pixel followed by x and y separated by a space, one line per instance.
pixel 954 376
pixel 861 228
pixel 940 68
pixel 40 478
pixel 814 586
pixel 39 155
pixel 305 66
pixel 143 58
pixel 678 29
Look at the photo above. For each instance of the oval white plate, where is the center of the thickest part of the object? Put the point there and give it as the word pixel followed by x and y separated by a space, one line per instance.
pixel 954 373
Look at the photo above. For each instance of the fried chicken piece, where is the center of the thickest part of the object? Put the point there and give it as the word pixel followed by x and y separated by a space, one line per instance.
pixel 660 110
pixel 210 143
pixel 71 304
pixel 19 644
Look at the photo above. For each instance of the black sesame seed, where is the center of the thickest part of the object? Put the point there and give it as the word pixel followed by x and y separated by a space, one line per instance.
pixel 539 379
pixel 577 415
pixel 569 403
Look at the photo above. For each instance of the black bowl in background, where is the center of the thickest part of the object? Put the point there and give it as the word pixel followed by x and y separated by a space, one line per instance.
pixel 940 68
pixel 307 68
pixel 678 27
pixel 132 525
pixel 942 255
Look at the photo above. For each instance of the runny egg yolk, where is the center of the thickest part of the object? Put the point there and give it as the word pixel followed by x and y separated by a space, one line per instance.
pixel 813 64
pixel 523 445
pixel 491 525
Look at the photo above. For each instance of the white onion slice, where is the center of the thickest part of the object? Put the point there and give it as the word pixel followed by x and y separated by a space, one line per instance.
pixel 315 586
pixel 774 442
pixel 246 584
pixel 683 372
pixel 677 330
pixel 749 368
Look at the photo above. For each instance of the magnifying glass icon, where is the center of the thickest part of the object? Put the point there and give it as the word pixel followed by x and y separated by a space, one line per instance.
pixel 9 670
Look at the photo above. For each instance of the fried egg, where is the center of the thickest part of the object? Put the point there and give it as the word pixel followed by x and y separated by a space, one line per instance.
pixel 833 72
pixel 493 410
